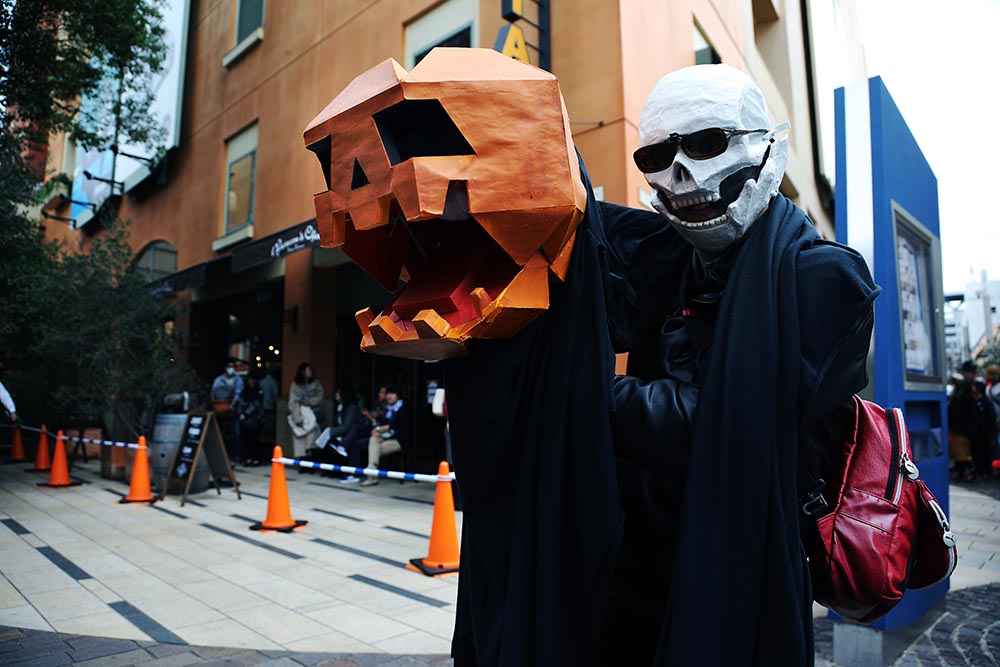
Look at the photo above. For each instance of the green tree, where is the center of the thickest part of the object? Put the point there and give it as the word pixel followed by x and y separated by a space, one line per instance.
pixel 82 335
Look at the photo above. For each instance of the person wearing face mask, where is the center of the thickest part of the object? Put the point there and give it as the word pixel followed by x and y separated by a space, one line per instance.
pixel 228 385
pixel 747 334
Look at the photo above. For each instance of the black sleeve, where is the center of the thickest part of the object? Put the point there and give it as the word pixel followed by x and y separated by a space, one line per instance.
pixel 836 295
pixel 652 421
pixel 643 263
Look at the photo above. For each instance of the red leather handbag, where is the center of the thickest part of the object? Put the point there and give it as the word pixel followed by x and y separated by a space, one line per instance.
pixel 881 530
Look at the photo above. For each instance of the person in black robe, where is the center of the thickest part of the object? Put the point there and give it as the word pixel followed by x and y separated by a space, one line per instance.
pixel 747 337
pixel 531 437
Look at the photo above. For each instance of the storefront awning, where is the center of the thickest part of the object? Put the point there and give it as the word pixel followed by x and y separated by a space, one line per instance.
pixel 192 277
pixel 275 246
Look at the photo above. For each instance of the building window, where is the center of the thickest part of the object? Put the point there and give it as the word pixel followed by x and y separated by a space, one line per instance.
pixel 452 23
pixel 248 30
pixel 704 52
pixel 241 166
pixel 249 17
pixel 157 261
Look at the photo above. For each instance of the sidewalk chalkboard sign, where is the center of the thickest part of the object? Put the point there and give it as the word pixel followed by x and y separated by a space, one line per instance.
pixel 200 435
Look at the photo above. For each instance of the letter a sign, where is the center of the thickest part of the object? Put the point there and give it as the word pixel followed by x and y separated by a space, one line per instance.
pixel 510 42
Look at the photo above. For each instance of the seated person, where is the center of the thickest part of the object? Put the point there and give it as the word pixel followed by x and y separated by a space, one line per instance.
pixel 390 437
pixel 346 414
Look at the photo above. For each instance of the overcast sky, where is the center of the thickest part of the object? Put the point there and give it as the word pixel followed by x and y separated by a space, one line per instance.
pixel 941 64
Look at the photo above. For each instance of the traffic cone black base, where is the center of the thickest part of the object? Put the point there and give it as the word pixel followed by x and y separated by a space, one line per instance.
pixel 50 485
pixel 418 565
pixel 259 526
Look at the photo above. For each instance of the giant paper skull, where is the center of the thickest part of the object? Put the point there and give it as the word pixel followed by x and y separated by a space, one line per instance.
pixel 458 178
pixel 712 201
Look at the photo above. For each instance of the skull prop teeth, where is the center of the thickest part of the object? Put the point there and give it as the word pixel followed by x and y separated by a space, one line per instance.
pixel 459 179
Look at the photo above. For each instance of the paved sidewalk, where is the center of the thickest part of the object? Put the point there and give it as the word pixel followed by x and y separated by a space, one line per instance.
pixel 75 561
pixel 86 581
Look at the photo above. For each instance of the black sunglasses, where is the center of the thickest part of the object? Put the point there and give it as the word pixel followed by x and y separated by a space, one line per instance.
pixel 699 145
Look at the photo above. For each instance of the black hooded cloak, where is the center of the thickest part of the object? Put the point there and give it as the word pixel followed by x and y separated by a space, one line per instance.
pixel 531 438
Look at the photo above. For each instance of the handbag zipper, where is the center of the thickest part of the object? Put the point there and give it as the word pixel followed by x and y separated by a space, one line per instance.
pixel 894 485
pixel 906 466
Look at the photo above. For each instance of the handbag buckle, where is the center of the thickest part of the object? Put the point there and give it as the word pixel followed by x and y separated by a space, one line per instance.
pixel 814 506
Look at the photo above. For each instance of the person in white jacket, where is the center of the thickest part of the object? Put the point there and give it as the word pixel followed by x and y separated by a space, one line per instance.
pixel 6 400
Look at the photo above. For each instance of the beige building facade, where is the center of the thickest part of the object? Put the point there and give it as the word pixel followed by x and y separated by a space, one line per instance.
pixel 231 221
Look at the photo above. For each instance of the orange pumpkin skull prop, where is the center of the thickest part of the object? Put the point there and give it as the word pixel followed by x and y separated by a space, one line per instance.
pixel 459 178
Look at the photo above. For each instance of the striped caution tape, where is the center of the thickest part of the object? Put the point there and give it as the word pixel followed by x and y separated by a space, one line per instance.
pixel 368 472
pixel 110 443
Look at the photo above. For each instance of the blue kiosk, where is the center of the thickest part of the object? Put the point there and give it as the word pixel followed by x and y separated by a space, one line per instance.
pixel 887 208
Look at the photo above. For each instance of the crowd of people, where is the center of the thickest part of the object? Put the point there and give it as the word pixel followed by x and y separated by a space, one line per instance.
pixel 974 422
pixel 358 436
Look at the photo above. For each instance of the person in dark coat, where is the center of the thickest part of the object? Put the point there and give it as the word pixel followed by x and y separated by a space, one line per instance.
pixel 748 338
pixel 248 410
pixel 985 433
pixel 963 419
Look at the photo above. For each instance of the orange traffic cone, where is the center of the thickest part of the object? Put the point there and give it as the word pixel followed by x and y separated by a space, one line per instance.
pixel 442 557
pixel 60 470
pixel 138 489
pixel 42 462
pixel 17 448
pixel 279 514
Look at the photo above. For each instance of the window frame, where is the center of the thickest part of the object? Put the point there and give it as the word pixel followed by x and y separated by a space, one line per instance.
pixel 252 153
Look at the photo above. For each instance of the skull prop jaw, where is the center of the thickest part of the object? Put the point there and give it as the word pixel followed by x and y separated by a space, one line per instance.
pixel 458 178
pixel 712 202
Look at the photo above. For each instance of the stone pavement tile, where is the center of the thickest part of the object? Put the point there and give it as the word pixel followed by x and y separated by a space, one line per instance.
pixel 204 556
pixel 218 652
pixel 417 641
pixel 222 595
pixel 360 623
pixel 405 661
pixel 105 624
pixel 435 621
pixel 176 660
pixel 241 574
pixel 234 659
pixel 9 595
pixel 288 593
pixel 86 648
pixel 104 565
pixel 164 650
pixel 132 657
pixel 39 660
pixel 24 617
pixel 329 642
pixel 373 599
pixel 278 624
pixel 140 586
pixel 66 603
pixel 21 558
pixel 280 662
pixel 176 610
pixel 43 578
pixel 227 632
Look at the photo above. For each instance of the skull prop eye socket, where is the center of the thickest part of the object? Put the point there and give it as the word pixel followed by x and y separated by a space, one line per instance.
pixel 457 187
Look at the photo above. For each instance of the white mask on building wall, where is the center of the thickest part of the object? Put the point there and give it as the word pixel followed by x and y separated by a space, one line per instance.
pixel 717 184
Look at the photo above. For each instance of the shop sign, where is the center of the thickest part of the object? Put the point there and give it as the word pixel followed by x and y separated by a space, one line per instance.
pixel 275 246
pixel 305 238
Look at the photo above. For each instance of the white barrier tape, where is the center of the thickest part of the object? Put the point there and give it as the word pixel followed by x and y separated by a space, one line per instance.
pixel 110 443
pixel 368 472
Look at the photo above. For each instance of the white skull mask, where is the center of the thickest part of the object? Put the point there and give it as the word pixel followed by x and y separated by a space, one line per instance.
pixel 712 201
